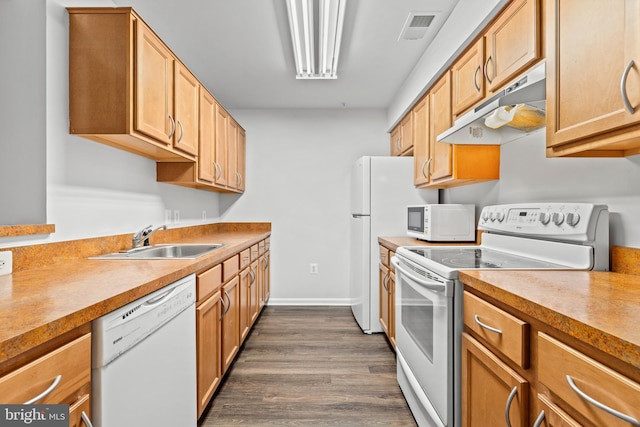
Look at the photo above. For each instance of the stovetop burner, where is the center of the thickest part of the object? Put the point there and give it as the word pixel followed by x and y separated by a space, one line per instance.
pixel 471 258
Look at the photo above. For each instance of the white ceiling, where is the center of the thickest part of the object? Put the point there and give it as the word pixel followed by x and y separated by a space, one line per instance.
pixel 241 50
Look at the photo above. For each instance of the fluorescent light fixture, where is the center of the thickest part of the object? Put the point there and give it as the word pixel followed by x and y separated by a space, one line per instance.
pixel 316 32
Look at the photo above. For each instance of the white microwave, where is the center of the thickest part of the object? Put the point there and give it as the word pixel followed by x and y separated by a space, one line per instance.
pixel 442 223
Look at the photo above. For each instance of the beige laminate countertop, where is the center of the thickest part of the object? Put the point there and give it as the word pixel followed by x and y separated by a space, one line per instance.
pixel 42 303
pixel 600 309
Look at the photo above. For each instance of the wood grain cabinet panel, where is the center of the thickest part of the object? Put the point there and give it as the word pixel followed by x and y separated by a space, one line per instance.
pixel 549 415
pixel 208 348
pixel 508 334
pixel 491 390
pixel 230 322
pixel 590 75
pixel 512 43
pixel 468 80
pixel 187 98
pixel 421 148
pixel 585 384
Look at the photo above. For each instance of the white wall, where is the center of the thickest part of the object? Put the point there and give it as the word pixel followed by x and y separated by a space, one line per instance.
pixel 526 175
pixel 298 166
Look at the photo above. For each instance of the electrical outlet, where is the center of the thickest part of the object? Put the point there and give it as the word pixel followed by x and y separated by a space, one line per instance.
pixel 313 268
pixel 167 216
pixel 6 262
pixel 176 217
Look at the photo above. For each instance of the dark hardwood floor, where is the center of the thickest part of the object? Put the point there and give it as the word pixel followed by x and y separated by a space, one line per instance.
pixel 310 366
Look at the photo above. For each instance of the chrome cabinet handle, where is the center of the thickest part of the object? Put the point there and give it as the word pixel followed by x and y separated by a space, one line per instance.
pixel 486 72
pixel 224 310
pixel 86 419
pixel 384 281
pixel 512 396
pixel 49 389
pixel 539 420
pixel 582 394
pixel 253 277
pixel 399 143
pixel 228 306
pixel 475 79
pixel 623 87
pixel 484 325
pixel 173 127
pixel 265 261
pixel 238 179
pixel 428 166
pixel 181 131
pixel 218 171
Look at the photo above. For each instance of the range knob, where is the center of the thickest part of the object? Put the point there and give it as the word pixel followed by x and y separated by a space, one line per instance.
pixel 557 218
pixel 500 216
pixel 544 217
pixel 485 215
pixel 492 216
pixel 573 219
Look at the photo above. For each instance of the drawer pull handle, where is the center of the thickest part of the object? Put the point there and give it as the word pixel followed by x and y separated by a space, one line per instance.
pixel 49 389
pixel 512 396
pixel 484 325
pixel 602 406
pixel 86 419
pixel 539 420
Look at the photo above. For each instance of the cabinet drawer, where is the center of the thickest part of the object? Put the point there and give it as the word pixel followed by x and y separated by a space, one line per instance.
pixel 230 268
pixel 550 415
pixel 254 252
pixel 71 362
pixel 76 411
pixel 560 364
pixel 245 258
pixel 208 282
pixel 508 334
pixel 384 256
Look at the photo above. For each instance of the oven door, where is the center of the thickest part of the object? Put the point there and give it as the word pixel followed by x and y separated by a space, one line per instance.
pixel 424 338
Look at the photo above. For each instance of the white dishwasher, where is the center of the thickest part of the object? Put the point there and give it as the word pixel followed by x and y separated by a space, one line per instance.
pixel 144 361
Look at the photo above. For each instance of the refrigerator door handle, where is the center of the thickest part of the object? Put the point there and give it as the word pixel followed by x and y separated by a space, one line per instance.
pixel 358 215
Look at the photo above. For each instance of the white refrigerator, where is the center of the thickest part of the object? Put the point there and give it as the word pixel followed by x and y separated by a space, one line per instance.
pixel 381 190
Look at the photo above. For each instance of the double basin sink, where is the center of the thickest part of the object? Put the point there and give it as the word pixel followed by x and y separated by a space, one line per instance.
pixel 170 251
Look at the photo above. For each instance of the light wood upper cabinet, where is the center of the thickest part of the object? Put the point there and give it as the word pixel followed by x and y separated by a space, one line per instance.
pixel 421 153
pixel 221 143
pixel 512 43
pixel 593 78
pixel 401 141
pixel 207 124
pixel 468 79
pixel 242 159
pixel 440 166
pixel 121 84
pixel 154 72
pixel 232 155
pixel 187 98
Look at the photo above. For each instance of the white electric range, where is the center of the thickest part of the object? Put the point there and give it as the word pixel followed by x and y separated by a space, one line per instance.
pixel 533 236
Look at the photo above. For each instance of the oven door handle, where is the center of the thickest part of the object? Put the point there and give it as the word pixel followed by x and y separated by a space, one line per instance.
pixel 432 285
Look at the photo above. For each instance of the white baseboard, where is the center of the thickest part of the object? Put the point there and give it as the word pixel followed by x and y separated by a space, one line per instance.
pixel 309 301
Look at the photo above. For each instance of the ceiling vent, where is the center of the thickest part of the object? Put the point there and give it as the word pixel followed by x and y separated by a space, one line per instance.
pixel 416 26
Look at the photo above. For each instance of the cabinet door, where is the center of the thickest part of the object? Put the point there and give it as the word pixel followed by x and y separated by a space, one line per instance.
pixel 549 415
pixel 208 333
pixel 512 43
pixel 230 322
pixel 440 120
pixel 490 389
pixel 232 155
pixel 254 307
pixel 245 303
pixel 586 87
pixel 395 144
pixel 406 139
pixel 154 86
pixel 206 146
pixel 467 78
pixel 222 135
pixel 242 158
pixel 421 154
pixel 186 98
pixel 384 299
pixel 265 279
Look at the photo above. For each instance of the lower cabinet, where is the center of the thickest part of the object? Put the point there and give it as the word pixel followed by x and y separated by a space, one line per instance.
pixel 61 376
pixel 229 298
pixel 519 373
pixel 387 285
pixel 492 393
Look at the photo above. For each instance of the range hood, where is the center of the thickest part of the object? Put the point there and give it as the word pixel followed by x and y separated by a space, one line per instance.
pixel 489 123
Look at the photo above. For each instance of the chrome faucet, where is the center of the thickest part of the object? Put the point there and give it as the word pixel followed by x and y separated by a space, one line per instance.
pixel 141 238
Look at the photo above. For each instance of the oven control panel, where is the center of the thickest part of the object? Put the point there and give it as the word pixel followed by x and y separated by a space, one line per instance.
pixel 573 221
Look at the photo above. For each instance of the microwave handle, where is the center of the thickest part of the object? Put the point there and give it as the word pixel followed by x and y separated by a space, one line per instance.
pixel 434 286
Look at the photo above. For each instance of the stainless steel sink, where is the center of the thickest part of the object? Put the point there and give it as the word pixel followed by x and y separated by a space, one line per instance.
pixel 174 251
